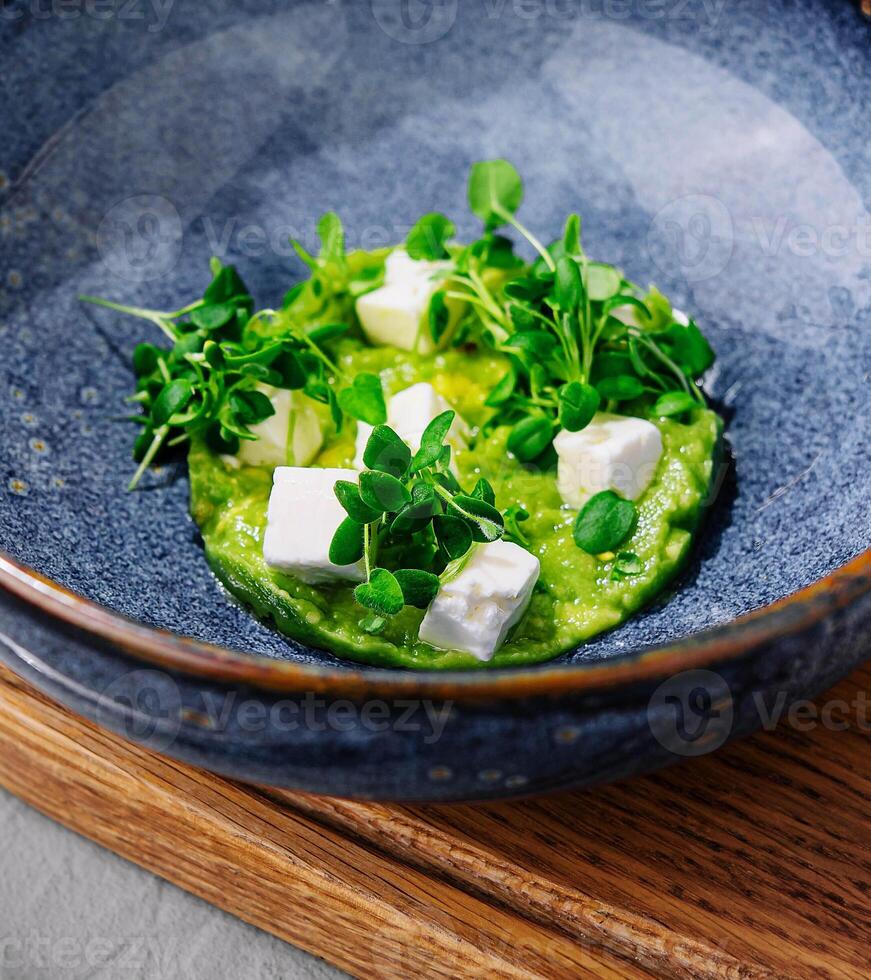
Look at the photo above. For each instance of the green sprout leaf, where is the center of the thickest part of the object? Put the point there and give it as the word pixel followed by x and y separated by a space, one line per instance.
pixel 289 370
pixel 213 317
pixel 536 343
pixel 418 513
pixel 603 281
pixel 386 452
pixel 383 492
pixel 572 236
pixel 251 407
pixel 419 588
pixel 226 285
pixel 495 191
pixel 332 237
pixel 514 516
pixel 673 403
pixel 530 437
pixel 347 544
pixel 438 316
pixel 348 495
pixel 502 390
pixel 578 403
pixel 453 535
pixel 604 523
pixel 432 441
pixel 328 331
pixel 170 401
pixel 486 523
pixel 364 399
pixel 626 564
pixel 656 313
pixel 620 387
pixel 218 439
pixel 569 287
pixel 690 348
pixel 428 237
pixel 382 593
pixel 483 490
pixel 145 358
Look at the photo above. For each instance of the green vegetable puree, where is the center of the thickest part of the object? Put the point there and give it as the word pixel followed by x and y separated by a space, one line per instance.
pixel 575 597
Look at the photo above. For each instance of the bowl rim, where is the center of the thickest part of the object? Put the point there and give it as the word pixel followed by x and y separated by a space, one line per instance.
pixel 163 648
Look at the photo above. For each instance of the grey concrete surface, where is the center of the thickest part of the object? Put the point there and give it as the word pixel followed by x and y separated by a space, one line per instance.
pixel 70 910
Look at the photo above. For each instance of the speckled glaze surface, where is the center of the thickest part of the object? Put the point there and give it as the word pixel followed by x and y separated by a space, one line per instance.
pixel 719 150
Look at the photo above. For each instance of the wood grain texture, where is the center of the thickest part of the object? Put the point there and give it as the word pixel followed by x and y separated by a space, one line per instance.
pixel 754 862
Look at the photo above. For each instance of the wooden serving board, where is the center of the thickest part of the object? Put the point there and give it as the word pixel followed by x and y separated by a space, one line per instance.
pixel 754 862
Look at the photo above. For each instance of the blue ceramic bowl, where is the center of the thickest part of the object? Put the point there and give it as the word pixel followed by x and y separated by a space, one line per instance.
pixel 720 150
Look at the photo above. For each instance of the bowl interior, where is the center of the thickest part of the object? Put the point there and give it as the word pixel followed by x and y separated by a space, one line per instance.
pixel 721 154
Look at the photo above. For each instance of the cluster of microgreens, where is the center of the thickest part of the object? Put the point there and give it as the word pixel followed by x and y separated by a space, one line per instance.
pixel 562 321
pixel 579 337
pixel 409 511
pixel 207 382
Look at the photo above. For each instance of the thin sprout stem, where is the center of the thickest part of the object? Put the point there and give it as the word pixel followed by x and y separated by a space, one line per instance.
pixel 573 358
pixel 481 289
pixel 527 234
pixel 322 356
pixel 449 500
pixel 304 337
pixel 155 316
pixel 197 303
pixel 689 388
pixel 467 298
pixel 587 344
pixel 367 545
pixel 151 452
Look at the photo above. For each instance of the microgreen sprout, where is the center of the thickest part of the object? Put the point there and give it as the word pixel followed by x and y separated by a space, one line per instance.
pixel 579 335
pixel 578 338
pixel 211 380
pixel 408 511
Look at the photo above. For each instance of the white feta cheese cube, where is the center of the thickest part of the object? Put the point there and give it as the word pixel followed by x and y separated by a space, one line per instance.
pixel 409 412
pixel 301 520
pixel 292 436
pixel 397 312
pixel 400 265
pixel 614 452
pixel 474 611
pixel 394 315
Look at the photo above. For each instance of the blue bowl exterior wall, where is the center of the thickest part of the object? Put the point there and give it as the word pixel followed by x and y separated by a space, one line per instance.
pixel 406 749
